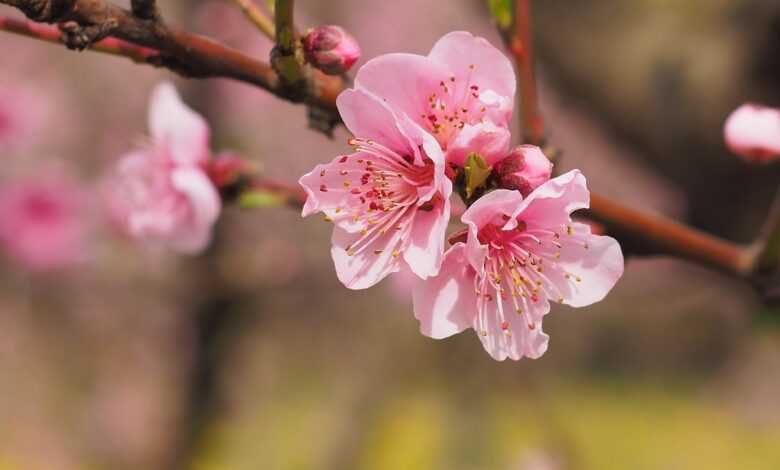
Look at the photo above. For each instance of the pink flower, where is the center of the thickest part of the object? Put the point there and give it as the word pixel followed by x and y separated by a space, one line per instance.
pixel 752 131
pixel 389 199
pixel 162 193
pixel 519 254
pixel 525 169
pixel 462 93
pixel 331 49
pixel 20 111
pixel 43 222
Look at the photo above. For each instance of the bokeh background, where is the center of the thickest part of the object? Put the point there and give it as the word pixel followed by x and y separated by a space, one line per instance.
pixel 253 356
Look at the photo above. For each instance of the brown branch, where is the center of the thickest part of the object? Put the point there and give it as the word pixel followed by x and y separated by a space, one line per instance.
pixel 521 45
pixel 51 34
pixel 655 234
pixel 83 23
pixel 638 232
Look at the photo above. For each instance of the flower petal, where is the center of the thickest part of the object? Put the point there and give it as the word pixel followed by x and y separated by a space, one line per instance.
pixel 753 132
pixel 173 123
pixel 372 263
pixel 594 264
pixel 445 304
pixel 472 59
pixel 403 81
pixel 327 192
pixel 367 117
pixel 485 138
pixel 551 204
pixel 506 332
pixel 427 238
pixel 205 206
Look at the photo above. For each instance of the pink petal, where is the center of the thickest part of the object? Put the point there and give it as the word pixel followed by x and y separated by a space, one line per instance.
pixel 445 304
pixel 371 264
pixel 491 208
pixel 551 204
pixel 367 117
pixel 753 132
pixel 324 186
pixel 488 140
pixel 427 238
pixel 403 81
pixel 491 71
pixel 205 206
pixel 504 333
pixel 594 261
pixel 173 124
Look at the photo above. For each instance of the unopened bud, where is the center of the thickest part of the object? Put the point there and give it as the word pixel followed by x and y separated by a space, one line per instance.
pixel 330 49
pixel 752 131
pixel 525 168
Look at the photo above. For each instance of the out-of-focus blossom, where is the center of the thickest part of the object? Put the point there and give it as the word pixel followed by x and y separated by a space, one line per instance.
pixel 331 49
pixel 389 199
pixel 162 193
pixel 752 131
pixel 519 255
pixel 43 222
pixel 19 112
pixel 462 93
pixel 525 169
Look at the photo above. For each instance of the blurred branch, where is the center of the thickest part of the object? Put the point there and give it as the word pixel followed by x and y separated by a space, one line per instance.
pixel 145 9
pixel 643 233
pixel 83 23
pixel 521 45
pixel 52 34
pixel 257 17
pixel 638 232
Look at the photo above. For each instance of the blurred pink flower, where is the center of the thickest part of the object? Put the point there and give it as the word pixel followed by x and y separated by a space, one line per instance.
pixel 162 193
pixel 519 254
pixel 462 93
pixel 524 169
pixel 752 131
pixel 43 223
pixel 389 199
pixel 331 49
pixel 20 111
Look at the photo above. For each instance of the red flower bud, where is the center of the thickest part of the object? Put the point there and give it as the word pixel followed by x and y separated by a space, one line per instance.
pixel 525 168
pixel 330 49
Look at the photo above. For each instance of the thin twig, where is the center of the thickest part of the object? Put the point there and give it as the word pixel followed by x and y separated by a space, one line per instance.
pixel 521 46
pixel 257 17
pixel 51 34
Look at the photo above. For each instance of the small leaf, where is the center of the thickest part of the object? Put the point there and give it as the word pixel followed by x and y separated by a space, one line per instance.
pixel 256 199
pixel 501 11
pixel 477 171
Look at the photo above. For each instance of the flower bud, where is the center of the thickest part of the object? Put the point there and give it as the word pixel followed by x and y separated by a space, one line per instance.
pixel 525 168
pixel 330 49
pixel 752 131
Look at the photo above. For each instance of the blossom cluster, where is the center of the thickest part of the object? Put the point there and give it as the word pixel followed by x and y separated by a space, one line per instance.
pixel 425 127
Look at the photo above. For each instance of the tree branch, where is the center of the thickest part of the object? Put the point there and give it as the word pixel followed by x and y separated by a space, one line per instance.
pixel 521 45
pixel 85 22
pixel 638 232
pixel 257 17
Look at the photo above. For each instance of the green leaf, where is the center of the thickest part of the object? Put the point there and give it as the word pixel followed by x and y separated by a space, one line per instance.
pixel 477 171
pixel 501 11
pixel 256 199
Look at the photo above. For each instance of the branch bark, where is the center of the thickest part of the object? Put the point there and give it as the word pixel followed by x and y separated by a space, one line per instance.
pixel 84 23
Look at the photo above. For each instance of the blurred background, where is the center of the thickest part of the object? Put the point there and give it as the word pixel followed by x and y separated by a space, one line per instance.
pixel 253 356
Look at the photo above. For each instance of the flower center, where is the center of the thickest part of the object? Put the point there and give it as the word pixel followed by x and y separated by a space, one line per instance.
pixel 450 108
